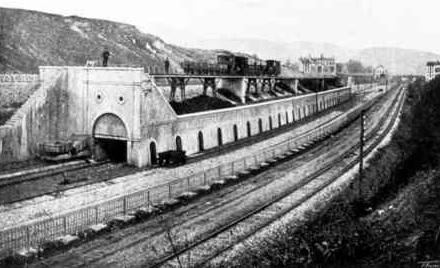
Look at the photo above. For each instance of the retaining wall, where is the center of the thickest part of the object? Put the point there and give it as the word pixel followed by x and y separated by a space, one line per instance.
pixel 38 119
pixel 218 127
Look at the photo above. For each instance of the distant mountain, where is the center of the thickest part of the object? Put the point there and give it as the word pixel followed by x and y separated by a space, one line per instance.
pixel 396 60
pixel 30 38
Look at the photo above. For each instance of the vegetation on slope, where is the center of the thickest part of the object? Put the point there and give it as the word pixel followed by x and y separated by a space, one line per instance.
pixel 30 38
pixel 394 223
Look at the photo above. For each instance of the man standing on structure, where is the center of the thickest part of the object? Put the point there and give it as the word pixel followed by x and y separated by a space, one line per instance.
pixel 105 56
pixel 167 66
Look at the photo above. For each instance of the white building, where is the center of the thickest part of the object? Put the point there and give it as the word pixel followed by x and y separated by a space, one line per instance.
pixel 319 65
pixel 379 72
pixel 433 69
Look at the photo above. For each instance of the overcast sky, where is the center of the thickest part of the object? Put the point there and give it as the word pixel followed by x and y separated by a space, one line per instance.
pixel 349 23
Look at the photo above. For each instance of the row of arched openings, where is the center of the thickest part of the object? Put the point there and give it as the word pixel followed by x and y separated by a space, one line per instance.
pixel 179 146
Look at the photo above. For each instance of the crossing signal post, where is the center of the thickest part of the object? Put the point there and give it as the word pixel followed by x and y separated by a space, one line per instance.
pixel 361 151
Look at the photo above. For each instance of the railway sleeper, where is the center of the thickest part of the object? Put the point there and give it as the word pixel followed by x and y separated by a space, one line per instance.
pixel 264 165
pixel 203 188
pixel 69 240
pixel 272 161
pixel 21 257
pixel 287 154
pixel 244 173
pixel 254 169
pixel 121 221
pixel 168 204
pixel 218 184
pixel 279 157
pixel 94 230
pixel 185 196
pixel 231 178
pixel 145 212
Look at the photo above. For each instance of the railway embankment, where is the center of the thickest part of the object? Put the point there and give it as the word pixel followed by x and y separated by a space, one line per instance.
pixel 388 219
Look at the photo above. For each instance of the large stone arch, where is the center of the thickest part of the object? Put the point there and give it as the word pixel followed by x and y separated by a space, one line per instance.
pixel 110 126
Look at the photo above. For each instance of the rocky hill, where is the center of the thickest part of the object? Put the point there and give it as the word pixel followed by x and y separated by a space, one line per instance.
pixel 29 39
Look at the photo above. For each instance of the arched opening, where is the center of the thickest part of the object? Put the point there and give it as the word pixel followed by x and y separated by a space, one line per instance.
pixel 201 145
pixel 178 143
pixel 153 153
pixel 270 123
pixel 235 129
pixel 279 120
pixel 260 125
pixel 219 137
pixel 110 138
pixel 287 118
pixel 304 112
pixel 248 125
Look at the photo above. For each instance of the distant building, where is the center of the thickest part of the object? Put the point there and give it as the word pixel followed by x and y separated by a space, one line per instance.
pixel 433 70
pixel 319 65
pixel 380 72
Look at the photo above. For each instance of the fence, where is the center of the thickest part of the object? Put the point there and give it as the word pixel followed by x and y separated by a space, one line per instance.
pixel 19 78
pixel 38 231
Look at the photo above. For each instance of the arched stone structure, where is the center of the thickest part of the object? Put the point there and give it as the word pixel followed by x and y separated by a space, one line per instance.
pixel 110 126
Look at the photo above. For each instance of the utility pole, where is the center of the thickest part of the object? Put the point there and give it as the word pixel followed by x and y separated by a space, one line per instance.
pixel 361 152
pixel 316 100
pixel 2 40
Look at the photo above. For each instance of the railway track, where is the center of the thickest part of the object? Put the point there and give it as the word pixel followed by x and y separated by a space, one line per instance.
pixel 54 179
pixel 221 240
pixel 98 253
pixel 19 186
pixel 44 170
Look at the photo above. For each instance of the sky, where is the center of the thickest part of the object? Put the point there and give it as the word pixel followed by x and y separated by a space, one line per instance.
pixel 353 24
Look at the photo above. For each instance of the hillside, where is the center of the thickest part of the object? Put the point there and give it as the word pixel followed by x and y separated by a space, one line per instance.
pixel 31 38
pixel 397 60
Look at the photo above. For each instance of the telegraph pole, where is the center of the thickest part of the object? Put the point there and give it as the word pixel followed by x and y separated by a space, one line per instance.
pixel 316 100
pixel 361 152
pixel 2 40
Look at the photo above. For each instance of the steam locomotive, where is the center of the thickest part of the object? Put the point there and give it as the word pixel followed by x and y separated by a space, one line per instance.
pixel 230 64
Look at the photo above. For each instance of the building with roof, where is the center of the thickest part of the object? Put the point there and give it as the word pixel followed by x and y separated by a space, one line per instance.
pixel 433 69
pixel 318 65
pixel 380 72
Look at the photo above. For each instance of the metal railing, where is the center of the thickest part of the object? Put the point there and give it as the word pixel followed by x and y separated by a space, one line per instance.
pixel 38 231
pixel 19 77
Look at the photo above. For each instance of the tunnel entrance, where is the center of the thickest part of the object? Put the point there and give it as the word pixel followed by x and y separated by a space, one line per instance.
pixel 110 137
pixel 114 150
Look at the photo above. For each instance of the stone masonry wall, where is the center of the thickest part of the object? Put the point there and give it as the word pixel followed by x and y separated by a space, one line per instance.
pixel 40 118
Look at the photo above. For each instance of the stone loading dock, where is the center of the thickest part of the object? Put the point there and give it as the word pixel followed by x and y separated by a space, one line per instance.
pixel 122 107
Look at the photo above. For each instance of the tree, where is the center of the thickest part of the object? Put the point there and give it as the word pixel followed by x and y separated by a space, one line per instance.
pixel 354 66
pixel 339 67
pixel 369 69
